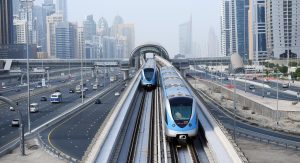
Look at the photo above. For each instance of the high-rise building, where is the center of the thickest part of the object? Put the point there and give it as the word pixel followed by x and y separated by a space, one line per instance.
pixel 48 8
pixel 89 27
pixel 257 31
pixel 26 13
pixel 234 27
pixel 20 32
pixel 80 42
pixel 102 27
pixel 126 32
pixel 61 7
pixel 52 21
pixel 109 47
pixel 282 27
pixel 16 7
pixel 65 40
pixel 226 24
pixel 37 25
pixel 6 22
pixel 185 38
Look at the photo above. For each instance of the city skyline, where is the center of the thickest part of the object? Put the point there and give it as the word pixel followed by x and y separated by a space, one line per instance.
pixel 165 24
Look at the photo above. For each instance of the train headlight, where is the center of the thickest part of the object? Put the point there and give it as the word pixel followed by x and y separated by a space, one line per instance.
pixel 190 125
pixel 173 125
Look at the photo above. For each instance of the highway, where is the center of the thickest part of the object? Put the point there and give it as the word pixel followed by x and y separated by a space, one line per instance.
pixel 46 110
pixel 73 135
pixel 259 91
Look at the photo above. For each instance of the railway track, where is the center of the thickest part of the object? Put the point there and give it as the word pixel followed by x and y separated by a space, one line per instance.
pixel 183 153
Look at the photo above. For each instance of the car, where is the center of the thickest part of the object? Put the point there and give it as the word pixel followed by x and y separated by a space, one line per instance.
pixel 81 96
pixel 12 108
pixel 285 85
pixel 98 101
pixel 101 85
pixel 92 84
pixel 34 107
pixel 15 123
pixel 71 91
pixel 117 94
pixel 38 86
pixel 122 89
pixel 254 78
pixel 85 88
pixel 31 89
pixel 17 89
pixel 95 87
pixel 251 86
pixel 43 98
pixel 57 90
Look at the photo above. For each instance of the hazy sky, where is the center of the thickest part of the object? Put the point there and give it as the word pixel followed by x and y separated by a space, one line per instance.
pixel 154 20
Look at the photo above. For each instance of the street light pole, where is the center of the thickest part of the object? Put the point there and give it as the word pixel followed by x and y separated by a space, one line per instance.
pixel 277 99
pixel 234 107
pixel 81 74
pixel 28 80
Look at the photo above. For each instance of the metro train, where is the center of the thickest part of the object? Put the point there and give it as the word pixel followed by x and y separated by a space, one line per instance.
pixel 149 74
pixel 180 117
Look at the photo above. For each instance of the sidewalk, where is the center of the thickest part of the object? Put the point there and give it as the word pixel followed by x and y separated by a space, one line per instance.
pixel 35 154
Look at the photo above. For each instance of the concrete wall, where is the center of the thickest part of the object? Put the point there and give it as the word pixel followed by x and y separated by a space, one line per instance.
pixel 258 108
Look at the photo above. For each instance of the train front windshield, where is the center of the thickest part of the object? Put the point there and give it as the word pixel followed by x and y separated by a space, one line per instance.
pixel 181 109
pixel 148 72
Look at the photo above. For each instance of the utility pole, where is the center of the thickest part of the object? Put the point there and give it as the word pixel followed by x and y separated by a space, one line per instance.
pixel 28 75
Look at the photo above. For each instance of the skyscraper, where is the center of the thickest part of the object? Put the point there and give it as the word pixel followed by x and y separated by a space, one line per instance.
pixel 102 27
pixel 185 38
pixel 282 27
pixel 257 30
pixel 48 8
pixel 80 42
pixel 20 31
pixel 6 22
pixel 65 40
pixel 126 32
pixel 89 27
pixel 52 21
pixel 234 27
pixel 109 47
pixel 26 7
pixel 16 7
pixel 61 7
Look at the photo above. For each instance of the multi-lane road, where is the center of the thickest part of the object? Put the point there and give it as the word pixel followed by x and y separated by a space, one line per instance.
pixel 46 110
pixel 259 91
pixel 73 135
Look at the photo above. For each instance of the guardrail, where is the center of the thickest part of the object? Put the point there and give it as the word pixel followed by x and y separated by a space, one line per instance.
pixel 13 144
pixel 220 146
pixel 105 140
pixel 56 153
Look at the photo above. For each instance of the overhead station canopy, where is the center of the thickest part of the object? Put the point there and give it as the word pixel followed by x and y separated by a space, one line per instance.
pixel 141 50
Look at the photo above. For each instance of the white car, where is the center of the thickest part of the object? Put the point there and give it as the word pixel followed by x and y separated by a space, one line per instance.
pixel 31 89
pixel 34 107
pixel 15 123
pixel 117 94
pixel 12 108
pixel 285 85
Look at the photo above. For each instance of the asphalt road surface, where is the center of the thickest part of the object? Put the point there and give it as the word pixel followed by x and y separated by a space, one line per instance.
pixel 47 111
pixel 73 135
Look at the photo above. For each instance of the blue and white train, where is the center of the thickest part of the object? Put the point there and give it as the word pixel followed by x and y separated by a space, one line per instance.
pixel 181 122
pixel 149 74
